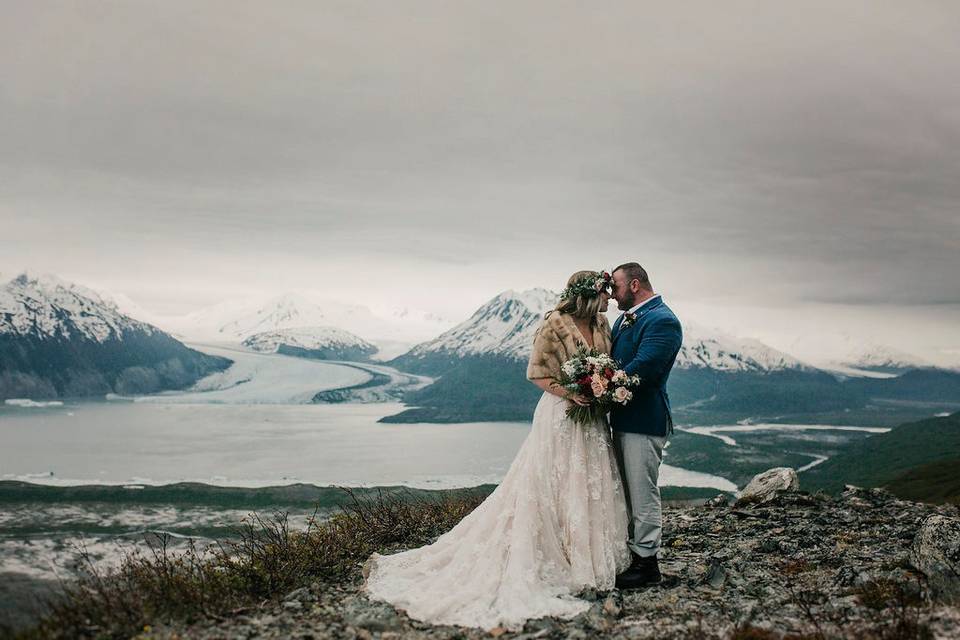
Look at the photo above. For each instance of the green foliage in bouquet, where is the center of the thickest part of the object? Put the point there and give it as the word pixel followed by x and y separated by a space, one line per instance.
pixel 597 376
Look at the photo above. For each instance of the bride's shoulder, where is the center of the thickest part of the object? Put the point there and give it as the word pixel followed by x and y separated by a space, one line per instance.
pixel 554 320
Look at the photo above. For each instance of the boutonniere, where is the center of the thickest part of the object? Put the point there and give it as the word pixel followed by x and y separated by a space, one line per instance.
pixel 628 320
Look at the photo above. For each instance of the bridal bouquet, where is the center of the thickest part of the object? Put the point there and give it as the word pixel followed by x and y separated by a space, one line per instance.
pixel 599 377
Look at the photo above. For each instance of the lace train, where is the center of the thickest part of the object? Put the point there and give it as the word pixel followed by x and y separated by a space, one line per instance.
pixel 555 525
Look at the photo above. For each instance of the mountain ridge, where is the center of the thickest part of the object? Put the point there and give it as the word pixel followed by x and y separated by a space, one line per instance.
pixel 58 339
pixel 322 342
pixel 480 364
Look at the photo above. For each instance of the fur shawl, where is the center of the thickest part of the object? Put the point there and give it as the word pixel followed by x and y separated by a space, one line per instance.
pixel 557 340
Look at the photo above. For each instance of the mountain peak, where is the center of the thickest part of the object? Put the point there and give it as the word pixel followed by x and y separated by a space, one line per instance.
pixel 503 325
pixel 45 305
pixel 713 349
pixel 50 284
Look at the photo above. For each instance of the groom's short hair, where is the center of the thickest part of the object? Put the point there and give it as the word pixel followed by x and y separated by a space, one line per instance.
pixel 634 271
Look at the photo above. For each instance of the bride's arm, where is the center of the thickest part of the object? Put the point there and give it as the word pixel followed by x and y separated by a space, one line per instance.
pixel 550 386
pixel 545 361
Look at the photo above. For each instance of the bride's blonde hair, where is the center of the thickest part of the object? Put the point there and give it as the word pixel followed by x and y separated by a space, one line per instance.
pixel 579 305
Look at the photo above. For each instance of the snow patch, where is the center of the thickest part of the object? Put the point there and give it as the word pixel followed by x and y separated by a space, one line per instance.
pixel 26 402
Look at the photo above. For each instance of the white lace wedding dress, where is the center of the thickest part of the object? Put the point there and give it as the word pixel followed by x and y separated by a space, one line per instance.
pixel 555 525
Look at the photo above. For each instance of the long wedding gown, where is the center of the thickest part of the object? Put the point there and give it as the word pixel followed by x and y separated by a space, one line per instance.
pixel 555 525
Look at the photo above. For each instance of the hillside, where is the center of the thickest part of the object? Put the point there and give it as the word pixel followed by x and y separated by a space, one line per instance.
pixel 478 388
pixel 935 482
pixel 879 460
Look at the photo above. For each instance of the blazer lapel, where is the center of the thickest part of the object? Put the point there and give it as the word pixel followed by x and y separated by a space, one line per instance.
pixel 616 324
pixel 616 330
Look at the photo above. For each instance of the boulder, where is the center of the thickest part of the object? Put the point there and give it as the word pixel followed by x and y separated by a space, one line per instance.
pixel 764 486
pixel 936 552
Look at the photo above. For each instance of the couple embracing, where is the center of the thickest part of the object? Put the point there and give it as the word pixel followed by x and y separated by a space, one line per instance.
pixel 579 507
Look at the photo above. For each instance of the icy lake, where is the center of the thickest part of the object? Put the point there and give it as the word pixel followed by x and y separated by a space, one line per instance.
pixel 256 445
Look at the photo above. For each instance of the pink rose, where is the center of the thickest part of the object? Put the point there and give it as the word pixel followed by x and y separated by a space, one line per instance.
pixel 622 395
pixel 599 385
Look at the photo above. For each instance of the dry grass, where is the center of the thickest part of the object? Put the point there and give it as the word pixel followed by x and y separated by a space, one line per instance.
pixel 263 561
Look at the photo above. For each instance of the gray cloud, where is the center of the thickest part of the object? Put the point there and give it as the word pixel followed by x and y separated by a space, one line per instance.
pixel 800 154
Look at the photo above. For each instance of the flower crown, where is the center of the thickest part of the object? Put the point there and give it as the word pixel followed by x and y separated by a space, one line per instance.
pixel 589 287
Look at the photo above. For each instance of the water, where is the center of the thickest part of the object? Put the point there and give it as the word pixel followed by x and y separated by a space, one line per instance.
pixel 260 445
pixel 248 445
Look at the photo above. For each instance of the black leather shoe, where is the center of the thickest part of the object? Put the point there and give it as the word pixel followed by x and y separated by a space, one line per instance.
pixel 643 572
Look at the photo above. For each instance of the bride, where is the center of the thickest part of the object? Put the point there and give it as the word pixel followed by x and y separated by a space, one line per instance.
pixel 556 525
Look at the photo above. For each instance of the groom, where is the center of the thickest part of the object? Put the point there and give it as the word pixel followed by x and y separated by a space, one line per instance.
pixel 646 339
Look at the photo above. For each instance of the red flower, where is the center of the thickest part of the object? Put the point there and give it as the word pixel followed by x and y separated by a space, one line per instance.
pixel 608 373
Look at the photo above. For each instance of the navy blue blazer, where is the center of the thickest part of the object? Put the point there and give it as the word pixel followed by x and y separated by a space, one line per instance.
pixel 647 348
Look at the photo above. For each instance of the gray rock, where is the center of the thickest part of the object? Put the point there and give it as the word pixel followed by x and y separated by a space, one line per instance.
pixel 936 552
pixel 373 616
pixel 715 575
pixel 768 545
pixel 719 500
pixel 764 486
pixel 302 594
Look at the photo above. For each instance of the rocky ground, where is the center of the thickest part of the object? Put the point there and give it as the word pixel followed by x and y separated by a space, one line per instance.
pixel 789 565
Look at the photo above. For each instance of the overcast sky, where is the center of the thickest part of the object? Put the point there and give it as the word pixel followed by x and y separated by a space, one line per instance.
pixel 780 168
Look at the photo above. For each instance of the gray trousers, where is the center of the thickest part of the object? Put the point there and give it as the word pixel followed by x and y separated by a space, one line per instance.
pixel 639 456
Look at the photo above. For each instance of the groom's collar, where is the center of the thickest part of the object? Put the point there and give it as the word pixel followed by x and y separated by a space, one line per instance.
pixel 637 307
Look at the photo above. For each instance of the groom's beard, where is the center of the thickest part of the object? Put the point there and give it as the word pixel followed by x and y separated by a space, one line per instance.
pixel 626 303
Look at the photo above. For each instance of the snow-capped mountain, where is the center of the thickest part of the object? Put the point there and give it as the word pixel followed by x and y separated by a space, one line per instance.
pixel 328 343
pixel 503 326
pixel 712 349
pixel 236 320
pixel 877 357
pixel 506 324
pixel 62 339
pixel 46 307
pixel 852 355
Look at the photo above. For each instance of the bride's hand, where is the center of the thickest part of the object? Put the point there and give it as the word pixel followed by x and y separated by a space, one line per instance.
pixel 580 399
